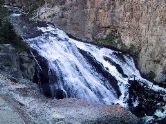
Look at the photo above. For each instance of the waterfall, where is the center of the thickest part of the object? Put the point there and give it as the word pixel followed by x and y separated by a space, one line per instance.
pixel 82 70
pixel 71 68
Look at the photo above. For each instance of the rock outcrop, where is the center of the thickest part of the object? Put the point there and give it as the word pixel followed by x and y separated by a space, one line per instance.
pixel 141 24
pixel 8 115
pixel 17 64
pixel 31 107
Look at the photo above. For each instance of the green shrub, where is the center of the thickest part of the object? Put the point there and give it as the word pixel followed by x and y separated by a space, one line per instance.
pixel 3 12
pixel 115 41
pixel 111 40
pixel 7 33
pixel 8 36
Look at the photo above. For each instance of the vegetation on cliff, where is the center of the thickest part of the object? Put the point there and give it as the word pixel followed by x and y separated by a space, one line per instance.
pixel 115 41
pixel 7 33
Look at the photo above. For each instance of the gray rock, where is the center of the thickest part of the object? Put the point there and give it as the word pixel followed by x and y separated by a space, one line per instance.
pixel 8 115
pixel 34 108
pixel 16 64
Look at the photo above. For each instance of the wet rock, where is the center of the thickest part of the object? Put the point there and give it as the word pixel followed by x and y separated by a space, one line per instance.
pixel 161 121
pixel 18 65
pixel 148 100
pixel 60 94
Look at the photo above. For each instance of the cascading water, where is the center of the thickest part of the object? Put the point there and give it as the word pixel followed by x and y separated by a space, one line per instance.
pixel 82 70
pixel 75 75
pixel 86 71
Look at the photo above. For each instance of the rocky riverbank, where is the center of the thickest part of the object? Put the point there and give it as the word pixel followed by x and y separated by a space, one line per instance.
pixel 31 107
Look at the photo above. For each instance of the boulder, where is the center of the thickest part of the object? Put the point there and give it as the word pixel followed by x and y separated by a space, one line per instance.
pixel 16 64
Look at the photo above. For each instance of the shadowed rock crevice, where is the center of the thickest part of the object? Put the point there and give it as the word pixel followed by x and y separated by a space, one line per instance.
pixel 148 100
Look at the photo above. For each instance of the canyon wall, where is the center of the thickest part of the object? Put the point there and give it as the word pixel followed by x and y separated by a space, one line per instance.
pixel 141 25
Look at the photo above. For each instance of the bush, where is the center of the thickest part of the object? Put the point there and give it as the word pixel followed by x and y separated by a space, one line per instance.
pixel 3 12
pixel 7 33
pixel 115 41
pixel 112 40
pixel 8 36
pixel 109 40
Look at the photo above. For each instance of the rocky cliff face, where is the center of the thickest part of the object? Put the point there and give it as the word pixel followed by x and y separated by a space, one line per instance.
pixel 141 25
pixel 17 65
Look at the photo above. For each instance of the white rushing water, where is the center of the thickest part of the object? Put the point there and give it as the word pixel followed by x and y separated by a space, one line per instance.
pixel 76 74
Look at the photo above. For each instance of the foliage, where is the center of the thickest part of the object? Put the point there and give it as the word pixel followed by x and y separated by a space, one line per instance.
pixel 3 12
pixel 111 40
pixel 7 33
pixel 115 41
pixel 8 36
